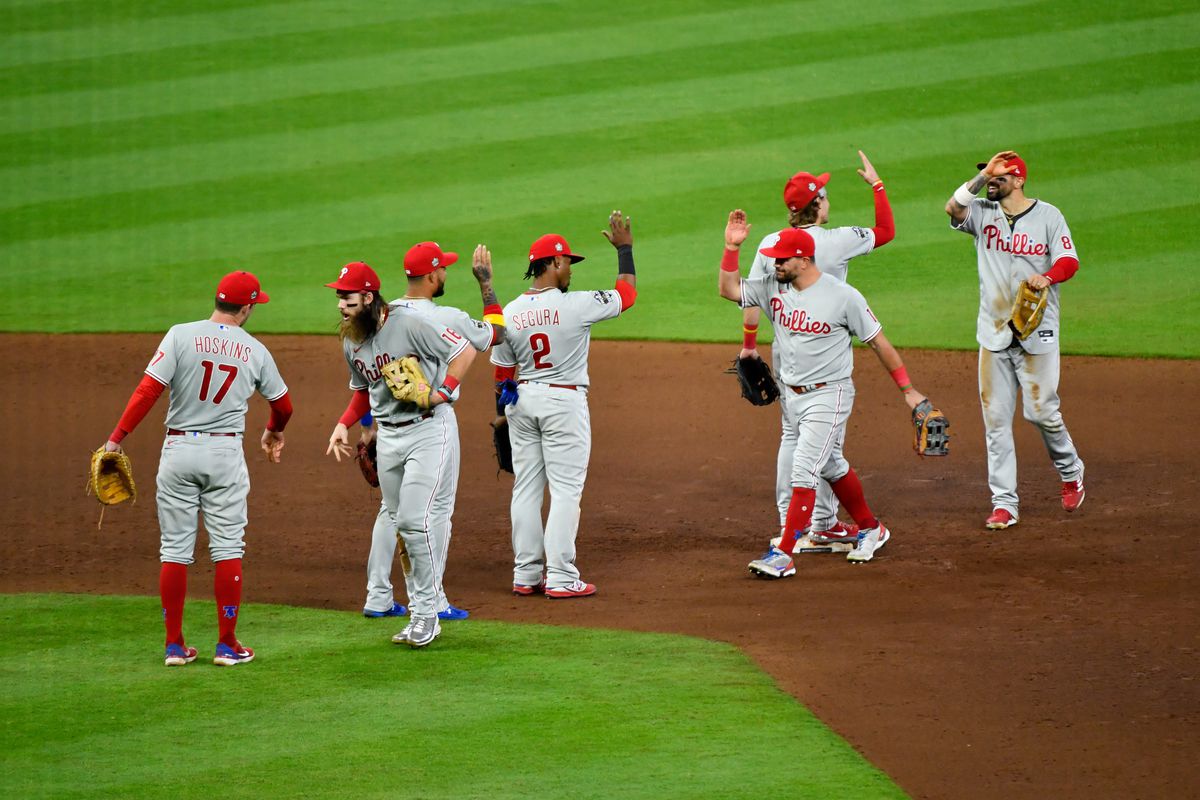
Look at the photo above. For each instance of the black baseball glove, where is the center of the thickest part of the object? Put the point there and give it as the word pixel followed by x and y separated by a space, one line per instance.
pixel 929 430
pixel 502 443
pixel 758 384
pixel 365 456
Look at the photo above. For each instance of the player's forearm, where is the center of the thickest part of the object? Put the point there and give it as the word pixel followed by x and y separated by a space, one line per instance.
pixel 140 403
pixel 360 404
pixel 458 366
pixel 750 318
pixel 885 223
pixel 1063 270
pixel 730 281
pixel 894 364
pixel 959 202
pixel 626 271
pixel 281 412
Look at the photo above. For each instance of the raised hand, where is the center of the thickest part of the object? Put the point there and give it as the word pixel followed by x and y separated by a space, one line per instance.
pixel 481 264
pixel 737 229
pixel 996 165
pixel 618 233
pixel 867 173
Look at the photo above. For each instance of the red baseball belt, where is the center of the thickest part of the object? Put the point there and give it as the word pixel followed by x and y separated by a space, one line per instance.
pixel 807 389
pixel 174 432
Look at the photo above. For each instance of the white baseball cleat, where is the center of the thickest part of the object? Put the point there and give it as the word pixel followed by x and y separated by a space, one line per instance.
pixel 869 542
pixel 774 564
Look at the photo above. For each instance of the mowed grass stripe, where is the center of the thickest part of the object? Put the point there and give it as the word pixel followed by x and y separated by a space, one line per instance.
pixel 316 715
pixel 67 33
pixel 615 182
pixel 868 71
pixel 465 129
pixel 328 183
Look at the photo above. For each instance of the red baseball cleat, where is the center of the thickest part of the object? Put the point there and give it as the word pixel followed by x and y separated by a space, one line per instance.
pixel 1073 494
pixel 576 589
pixel 1000 519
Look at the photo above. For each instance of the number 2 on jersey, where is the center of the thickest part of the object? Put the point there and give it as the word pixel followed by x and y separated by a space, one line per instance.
pixel 540 343
pixel 230 373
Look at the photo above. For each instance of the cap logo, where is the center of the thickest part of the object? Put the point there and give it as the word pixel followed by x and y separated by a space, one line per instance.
pixel 253 295
pixel 558 246
pixel 812 187
pixel 435 262
pixel 221 295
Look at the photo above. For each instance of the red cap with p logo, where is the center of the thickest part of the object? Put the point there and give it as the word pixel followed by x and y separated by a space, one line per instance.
pixel 240 288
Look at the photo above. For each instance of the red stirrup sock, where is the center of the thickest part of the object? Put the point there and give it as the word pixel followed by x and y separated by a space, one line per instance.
pixel 227 586
pixel 849 493
pixel 172 588
pixel 799 515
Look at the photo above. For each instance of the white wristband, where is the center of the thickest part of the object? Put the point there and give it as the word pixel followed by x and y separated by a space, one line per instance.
pixel 963 195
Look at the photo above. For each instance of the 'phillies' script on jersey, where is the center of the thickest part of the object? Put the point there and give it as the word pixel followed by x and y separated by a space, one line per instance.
pixel 797 319
pixel 1019 245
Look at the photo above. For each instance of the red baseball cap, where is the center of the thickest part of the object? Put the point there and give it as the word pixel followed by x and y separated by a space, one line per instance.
pixel 802 188
pixel 424 258
pixel 552 245
pixel 356 277
pixel 1021 170
pixel 240 288
pixel 793 243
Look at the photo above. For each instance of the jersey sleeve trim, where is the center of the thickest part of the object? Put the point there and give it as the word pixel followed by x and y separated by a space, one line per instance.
pixel 878 330
pixel 160 380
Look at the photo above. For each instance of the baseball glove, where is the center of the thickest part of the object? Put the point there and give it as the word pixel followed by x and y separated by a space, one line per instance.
pixel 758 384
pixel 110 478
pixel 929 436
pixel 407 382
pixel 365 456
pixel 1028 308
pixel 503 444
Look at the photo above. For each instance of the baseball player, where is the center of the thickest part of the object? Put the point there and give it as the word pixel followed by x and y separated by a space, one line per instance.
pixel 546 349
pixel 1017 238
pixel 211 367
pixel 814 316
pixel 417 448
pixel 425 265
pixel 808 210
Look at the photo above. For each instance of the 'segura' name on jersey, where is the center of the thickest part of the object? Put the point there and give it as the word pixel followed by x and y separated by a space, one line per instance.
pixel 373 374
pixel 538 316
pixel 223 347
pixel 1020 245
pixel 798 320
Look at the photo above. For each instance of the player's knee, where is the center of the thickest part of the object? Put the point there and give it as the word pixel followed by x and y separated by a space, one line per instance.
pixel 835 471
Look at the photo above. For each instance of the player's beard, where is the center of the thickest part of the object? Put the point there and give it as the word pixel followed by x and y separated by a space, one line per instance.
pixel 363 324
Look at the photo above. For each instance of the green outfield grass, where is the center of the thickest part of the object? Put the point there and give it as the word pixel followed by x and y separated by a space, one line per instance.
pixel 331 709
pixel 145 151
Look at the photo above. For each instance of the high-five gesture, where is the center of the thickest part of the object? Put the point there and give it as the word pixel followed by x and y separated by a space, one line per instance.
pixel 737 229
pixel 481 264
pixel 867 173
pixel 618 233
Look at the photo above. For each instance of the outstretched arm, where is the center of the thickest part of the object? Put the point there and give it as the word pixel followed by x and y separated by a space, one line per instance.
pixel 885 224
pixel 895 366
pixel 736 231
pixel 481 268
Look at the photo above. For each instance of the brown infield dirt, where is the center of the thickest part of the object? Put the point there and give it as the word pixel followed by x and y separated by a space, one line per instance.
pixel 1057 659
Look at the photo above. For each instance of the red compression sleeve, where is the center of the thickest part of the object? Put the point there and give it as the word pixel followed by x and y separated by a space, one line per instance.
pixel 628 294
pixel 1064 269
pixel 360 403
pixel 885 225
pixel 281 412
pixel 140 403
pixel 504 373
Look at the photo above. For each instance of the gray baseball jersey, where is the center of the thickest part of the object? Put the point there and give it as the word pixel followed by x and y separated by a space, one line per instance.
pixel 405 332
pixel 212 369
pixel 549 332
pixel 1009 254
pixel 478 332
pixel 834 249
pixel 813 326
